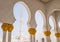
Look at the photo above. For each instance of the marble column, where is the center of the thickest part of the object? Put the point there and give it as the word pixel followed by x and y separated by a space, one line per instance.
pixel 30 38
pixel 57 33
pixel 33 38
pixel 47 30
pixel 32 27
pixel 9 36
pixel 10 28
pixel 4 37
pixel 48 39
pixel 4 28
pixel 58 39
pixel 32 32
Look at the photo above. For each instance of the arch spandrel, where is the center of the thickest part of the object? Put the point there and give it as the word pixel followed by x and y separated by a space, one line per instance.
pixel 6 12
pixel 33 9
pixel 54 4
pixel 55 13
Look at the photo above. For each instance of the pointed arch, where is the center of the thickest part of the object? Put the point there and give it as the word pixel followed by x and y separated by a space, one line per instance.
pixel 53 38
pixel 52 22
pixel 22 14
pixel 40 20
pixel 52 13
pixel 27 8
pixel 43 15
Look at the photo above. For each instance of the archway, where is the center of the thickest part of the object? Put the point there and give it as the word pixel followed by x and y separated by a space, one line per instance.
pixel 56 14
pixel 22 14
pixel 51 22
pixel 39 16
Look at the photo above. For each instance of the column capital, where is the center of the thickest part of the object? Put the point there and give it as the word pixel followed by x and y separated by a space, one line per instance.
pixel 32 31
pixel 7 27
pixel 57 35
pixel 10 27
pixel 4 27
pixel 47 33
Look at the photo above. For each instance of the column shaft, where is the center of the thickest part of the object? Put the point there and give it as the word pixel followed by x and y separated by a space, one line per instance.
pixel 9 36
pixel 48 39
pixel 58 39
pixel 30 38
pixel 33 38
pixel 47 29
pixel 4 37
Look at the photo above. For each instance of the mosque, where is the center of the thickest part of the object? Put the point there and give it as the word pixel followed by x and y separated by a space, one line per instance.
pixel 47 8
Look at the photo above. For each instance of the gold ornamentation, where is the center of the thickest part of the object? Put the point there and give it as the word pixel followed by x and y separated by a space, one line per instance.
pixel 32 31
pixel 4 26
pixel 47 33
pixel 10 27
pixel 57 35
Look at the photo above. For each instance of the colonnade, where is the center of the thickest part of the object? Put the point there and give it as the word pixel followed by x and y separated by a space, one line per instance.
pixel 46 6
pixel 32 29
pixel 6 27
pixel 47 28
